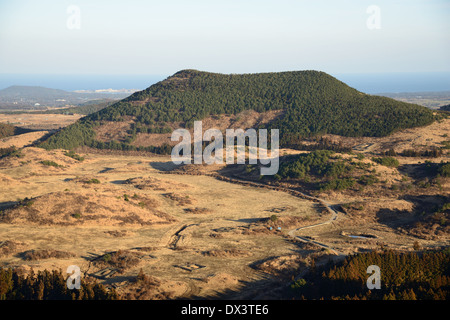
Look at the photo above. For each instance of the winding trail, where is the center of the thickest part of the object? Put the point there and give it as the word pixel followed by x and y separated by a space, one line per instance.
pixel 292 233
pixel 334 216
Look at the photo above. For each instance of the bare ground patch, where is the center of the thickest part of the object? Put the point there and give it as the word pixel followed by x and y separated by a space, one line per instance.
pixel 282 265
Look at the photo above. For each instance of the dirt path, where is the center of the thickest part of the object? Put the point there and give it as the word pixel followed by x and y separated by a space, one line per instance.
pixel 330 209
pixel 334 216
pixel 177 236
pixel 291 233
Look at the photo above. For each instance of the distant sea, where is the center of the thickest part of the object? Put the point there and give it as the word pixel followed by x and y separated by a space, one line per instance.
pixel 397 82
pixel 366 82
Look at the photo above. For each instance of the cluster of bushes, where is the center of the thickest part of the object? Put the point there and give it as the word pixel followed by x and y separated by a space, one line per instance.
pixel 404 276
pixel 78 134
pixel 10 152
pixel 327 171
pixel 368 180
pixel 50 163
pixel 6 130
pixel 444 169
pixel 115 145
pixel 432 153
pixel 314 162
pixel 73 155
pixel 338 184
pixel 32 255
pixel 387 161
pixel 48 285
pixel 93 181
pixel 445 144
pixel 436 169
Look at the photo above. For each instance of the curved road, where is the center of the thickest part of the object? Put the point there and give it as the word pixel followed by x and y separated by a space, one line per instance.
pixel 331 210
pixel 334 215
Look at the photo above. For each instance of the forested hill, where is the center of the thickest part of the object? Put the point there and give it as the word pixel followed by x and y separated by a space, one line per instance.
pixel 313 103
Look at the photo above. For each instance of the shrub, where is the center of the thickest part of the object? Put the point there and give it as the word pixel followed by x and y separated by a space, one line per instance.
pixel 93 180
pixel 73 155
pixel 338 184
pixel 444 170
pixel 387 161
pixel 298 283
pixel 32 255
pixel 368 180
pixel 50 163
pixel 77 215
pixel 6 130
pixel 10 152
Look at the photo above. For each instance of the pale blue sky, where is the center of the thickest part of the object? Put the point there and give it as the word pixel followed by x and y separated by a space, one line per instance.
pixel 229 36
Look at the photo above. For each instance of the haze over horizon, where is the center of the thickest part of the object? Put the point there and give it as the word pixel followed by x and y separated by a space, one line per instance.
pixel 113 37
pixel 372 83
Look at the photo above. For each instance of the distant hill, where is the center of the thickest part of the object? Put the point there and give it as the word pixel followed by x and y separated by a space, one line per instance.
pixel 445 108
pixel 29 92
pixel 310 103
pixel 34 97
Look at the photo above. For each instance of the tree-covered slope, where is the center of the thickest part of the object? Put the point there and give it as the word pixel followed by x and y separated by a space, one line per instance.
pixel 313 103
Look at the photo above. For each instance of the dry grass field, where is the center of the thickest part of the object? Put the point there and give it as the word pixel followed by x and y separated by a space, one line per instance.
pixel 39 121
pixel 184 229
pixel 193 234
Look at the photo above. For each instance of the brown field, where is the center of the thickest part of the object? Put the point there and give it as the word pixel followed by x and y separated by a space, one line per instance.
pixel 193 231
pixel 22 140
pixel 68 214
pixel 39 121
